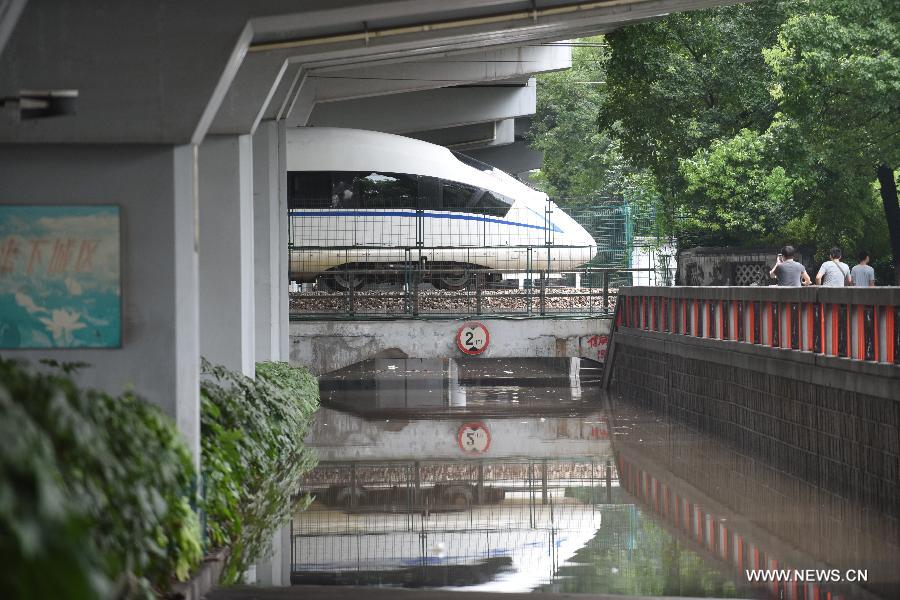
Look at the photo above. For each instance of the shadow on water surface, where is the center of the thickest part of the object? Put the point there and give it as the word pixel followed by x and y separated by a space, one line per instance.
pixel 517 476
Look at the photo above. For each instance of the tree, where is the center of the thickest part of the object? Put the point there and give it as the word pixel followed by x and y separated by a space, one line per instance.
pixel 581 163
pixel 680 83
pixel 733 187
pixel 836 72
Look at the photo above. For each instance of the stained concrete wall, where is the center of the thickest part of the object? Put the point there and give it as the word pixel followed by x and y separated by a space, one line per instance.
pixel 325 346
pixel 154 188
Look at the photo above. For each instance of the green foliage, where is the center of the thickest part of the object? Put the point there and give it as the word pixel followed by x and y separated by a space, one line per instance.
pixel 836 77
pixel 677 84
pixel 733 188
pixel 579 160
pixel 252 433
pixel 836 69
pixel 755 123
pixel 94 497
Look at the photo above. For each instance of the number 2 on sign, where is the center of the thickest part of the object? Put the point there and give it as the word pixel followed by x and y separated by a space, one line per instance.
pixel 473 338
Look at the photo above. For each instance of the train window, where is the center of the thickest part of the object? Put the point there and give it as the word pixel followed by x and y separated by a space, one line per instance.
pixel 373 190
pixel 388 190
pixel 430 193
pixel 457 196
pixel 490 203
pixel 345 191
pixel 309 190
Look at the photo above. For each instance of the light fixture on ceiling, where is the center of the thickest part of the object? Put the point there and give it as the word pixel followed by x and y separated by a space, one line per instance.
pixel 39 104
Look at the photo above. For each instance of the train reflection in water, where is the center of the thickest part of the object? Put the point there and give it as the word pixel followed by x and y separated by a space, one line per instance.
pixel 537 506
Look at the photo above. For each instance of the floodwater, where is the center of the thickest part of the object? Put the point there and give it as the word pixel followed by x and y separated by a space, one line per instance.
pixel 523 475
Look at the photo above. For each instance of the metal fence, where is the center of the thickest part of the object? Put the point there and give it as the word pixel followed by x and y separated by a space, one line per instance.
pixel 488 272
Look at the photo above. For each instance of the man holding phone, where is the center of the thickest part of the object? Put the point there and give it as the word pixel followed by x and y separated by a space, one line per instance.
pixel 789 272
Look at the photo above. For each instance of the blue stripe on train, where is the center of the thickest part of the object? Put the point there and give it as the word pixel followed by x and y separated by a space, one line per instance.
pixel 429 214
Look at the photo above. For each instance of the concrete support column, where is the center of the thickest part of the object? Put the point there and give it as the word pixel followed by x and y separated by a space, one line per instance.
pixel 154 188
pixel 270 225
pixel 270 262
pixel 275 570
pixel 227 327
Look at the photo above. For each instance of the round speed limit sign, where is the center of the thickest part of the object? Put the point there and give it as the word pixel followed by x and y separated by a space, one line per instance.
pixel 473 438
pixel 473 338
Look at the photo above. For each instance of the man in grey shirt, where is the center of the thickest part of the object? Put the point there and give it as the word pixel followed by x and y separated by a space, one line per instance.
pixel 834 273
pixel 789 272
pixel 862 274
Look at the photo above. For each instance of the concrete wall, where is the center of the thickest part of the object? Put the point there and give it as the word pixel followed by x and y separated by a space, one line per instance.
pixel 325 346
pixel 727 266
pixel 154 187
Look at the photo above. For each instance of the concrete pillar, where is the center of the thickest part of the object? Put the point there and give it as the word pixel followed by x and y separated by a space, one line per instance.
pixel 270 223
pixel 275 570
pixel 227 327
pixel 154 187
pixel 270 258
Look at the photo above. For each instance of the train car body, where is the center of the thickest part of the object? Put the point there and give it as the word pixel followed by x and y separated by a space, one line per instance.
pixel 363 200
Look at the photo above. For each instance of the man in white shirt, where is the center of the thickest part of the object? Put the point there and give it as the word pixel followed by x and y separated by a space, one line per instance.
pixel 862 274
pixel 834 273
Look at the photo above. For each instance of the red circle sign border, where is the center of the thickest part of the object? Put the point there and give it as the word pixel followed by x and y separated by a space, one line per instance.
pixel 467 325
pixel 473 425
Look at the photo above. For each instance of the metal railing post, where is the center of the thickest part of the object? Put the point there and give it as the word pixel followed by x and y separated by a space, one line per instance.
pixel 543 294
pixel 477 296
pixel 605 291
pixel 529 281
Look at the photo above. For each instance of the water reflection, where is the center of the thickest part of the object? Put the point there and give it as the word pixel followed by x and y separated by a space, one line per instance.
pixel 506 476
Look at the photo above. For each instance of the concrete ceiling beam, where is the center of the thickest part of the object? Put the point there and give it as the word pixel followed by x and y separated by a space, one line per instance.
pixel 248 100
pixel 471 137
pixel 427 110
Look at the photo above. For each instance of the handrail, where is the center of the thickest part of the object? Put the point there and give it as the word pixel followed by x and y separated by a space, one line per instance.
pixel 855 323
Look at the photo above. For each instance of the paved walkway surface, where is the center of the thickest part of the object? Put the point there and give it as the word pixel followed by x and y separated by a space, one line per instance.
pixel 339 592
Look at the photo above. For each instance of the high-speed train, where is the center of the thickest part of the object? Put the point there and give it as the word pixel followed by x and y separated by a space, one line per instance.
pixel 375 202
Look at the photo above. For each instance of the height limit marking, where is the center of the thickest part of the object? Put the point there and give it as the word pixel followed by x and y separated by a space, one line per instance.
pixel 473 438
pixel 473 338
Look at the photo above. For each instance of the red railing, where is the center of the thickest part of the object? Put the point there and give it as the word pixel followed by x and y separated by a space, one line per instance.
pixel 855 323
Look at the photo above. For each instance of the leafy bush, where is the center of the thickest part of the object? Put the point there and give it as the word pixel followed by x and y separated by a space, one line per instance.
pixel 252 433
pixel 93 492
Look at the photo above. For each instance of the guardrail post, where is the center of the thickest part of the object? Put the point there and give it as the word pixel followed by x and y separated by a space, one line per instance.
pixel 415 289
pixel 608 482
pixel 477 296
pixel 529 281
pixel 605 291
pixel 543 294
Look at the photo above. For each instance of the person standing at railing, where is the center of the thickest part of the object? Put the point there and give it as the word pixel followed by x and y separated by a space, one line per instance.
pixel 834 273
pixel 789 272
pixel 862 274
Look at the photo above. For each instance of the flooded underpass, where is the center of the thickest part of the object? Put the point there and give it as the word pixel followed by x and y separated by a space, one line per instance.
pixel 524 476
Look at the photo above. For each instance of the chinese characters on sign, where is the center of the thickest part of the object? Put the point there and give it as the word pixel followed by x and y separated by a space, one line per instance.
pixel 59 277
pixel 599 344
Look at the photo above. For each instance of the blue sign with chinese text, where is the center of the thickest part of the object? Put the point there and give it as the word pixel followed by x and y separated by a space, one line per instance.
pixel 60 277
